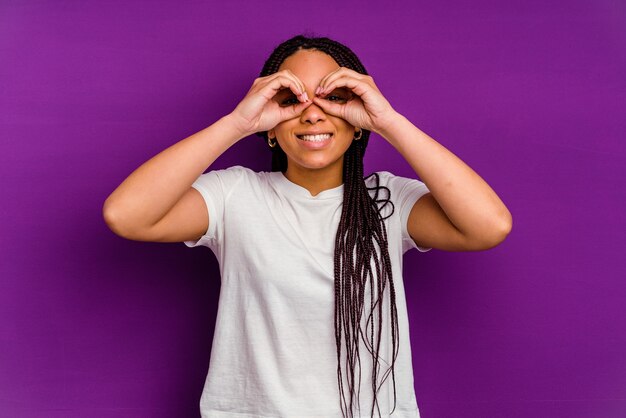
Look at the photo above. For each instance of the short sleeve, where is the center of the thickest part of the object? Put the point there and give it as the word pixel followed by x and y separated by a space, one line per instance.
pixel 215 187
pixel 404 193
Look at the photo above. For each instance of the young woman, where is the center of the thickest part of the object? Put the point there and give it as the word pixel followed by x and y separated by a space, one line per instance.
pixel 312 304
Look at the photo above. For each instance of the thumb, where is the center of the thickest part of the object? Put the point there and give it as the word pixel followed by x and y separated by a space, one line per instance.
pixel 291 112
pixel 334 109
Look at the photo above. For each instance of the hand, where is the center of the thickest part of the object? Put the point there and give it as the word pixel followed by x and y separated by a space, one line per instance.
pixel 259 112
pixel 367 109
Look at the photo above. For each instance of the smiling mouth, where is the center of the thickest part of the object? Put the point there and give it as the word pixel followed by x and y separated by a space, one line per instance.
pixel 315 138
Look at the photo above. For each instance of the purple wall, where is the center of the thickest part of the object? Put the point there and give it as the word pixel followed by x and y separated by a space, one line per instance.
pixel 531 96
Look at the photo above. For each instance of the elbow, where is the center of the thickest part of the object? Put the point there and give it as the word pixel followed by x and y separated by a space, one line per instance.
pixel 109 216
pixel 492 235
pixel 113 220
pixel 124 223
pixel 504 228
pixel 501 229
pixel 508 225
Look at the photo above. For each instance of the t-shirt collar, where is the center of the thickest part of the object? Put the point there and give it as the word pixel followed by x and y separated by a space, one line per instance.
pixel 294 189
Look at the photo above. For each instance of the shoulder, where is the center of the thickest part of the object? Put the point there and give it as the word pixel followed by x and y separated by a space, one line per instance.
pixel 393 182
pixel 233 172
pixel 237 170
pixel 227 179
pixel 403 192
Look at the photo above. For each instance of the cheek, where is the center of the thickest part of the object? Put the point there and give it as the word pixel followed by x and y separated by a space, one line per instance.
pixel 347 131
pixel 283 129
pixel 342 124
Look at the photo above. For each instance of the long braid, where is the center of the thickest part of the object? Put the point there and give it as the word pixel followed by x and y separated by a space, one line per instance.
pixel 361 255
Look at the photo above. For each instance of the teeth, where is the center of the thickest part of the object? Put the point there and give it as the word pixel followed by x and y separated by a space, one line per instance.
pixel 316 138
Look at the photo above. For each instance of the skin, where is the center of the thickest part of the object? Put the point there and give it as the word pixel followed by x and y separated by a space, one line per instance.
pixel 321 168
pixel 157 203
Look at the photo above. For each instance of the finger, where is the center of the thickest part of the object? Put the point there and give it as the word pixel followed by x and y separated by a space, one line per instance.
pixel 341 79
pixel 334 75
pixel 300 83
pixel 325 79
pixel 301 94
pixel 279 81
pixel 294 111
pixel 357 86
pixel 284 80
pixel 330 108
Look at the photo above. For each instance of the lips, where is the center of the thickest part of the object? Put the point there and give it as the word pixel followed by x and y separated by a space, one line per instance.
pixel 315 141
pixel 318 137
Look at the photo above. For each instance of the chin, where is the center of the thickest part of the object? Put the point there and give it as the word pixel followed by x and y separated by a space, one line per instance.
pixel 315 164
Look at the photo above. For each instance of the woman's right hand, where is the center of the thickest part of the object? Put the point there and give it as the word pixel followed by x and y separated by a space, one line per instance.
pixel 258 111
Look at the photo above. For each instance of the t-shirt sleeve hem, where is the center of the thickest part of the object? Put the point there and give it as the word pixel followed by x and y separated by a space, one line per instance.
pixel 209 235
pixel 423 249
pixel 409 242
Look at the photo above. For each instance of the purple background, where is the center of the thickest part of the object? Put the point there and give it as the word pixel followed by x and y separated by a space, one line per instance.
pixel 530 95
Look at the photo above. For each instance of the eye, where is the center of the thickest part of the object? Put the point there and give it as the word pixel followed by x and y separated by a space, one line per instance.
pixel 336 98
pixel 339 96
pixel 291 100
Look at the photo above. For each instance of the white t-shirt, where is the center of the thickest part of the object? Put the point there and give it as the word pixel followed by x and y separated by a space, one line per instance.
pixel 274 352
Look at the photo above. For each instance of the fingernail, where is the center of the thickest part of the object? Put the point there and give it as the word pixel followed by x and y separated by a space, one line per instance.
pixel 317 90
pixel 306 96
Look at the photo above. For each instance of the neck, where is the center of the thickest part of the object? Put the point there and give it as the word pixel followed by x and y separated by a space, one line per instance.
pixel 316 180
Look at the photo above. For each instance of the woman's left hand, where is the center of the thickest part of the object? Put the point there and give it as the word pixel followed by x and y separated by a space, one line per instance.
pixel 367 109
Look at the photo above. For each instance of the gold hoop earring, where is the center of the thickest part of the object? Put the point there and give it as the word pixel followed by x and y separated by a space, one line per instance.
pixel 270 143
pixel 356 138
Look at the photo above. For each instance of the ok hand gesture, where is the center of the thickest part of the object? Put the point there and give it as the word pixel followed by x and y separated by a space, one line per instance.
pixel 259 112
pixel 368 109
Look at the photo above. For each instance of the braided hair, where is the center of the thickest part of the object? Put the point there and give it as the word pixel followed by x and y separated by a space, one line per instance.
pixel 361 249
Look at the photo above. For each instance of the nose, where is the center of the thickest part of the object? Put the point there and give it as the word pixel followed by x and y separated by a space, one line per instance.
pixel 312 114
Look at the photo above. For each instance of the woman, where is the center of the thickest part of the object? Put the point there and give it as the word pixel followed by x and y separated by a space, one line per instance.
pixel 310 253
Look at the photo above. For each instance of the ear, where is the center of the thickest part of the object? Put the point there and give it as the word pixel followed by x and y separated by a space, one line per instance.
pixel 271 133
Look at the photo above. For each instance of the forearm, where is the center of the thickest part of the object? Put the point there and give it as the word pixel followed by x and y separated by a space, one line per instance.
pixel 150 191
pixel 468 201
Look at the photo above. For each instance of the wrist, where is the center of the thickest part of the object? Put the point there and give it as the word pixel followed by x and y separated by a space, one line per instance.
pixel 235 126
pixel 390 125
